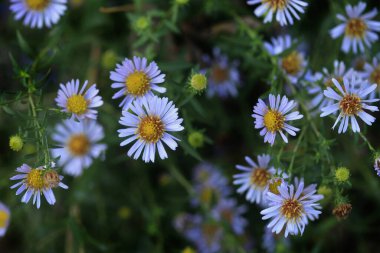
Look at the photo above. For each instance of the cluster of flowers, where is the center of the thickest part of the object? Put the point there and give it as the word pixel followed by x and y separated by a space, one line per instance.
pixel 211 191
pixel 289 206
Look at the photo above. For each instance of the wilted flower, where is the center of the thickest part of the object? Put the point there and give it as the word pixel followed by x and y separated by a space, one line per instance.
pixel 342 211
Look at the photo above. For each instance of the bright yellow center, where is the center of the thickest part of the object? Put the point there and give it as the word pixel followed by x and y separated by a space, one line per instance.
pixel 292 63
pixel 274 184
pixel 273 121
pixel 77 104
pixel 35 179
pixel 137 83
pixel 375 76
pixel 276 4
pixel 4 217
pixel 37 5
pixel 291 209
pixel 219 74
pixel 260 177
pixel 350 104
pixel 79 145
pixel 150 129
pixel 356 27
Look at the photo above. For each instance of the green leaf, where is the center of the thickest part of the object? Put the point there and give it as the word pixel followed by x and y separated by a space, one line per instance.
pixel 23 44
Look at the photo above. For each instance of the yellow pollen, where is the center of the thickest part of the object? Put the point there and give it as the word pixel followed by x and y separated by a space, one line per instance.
pixel 356 27
pixel 260 177
pixel 375 76
pixel 137 83
pixel 273 121
pixel 274 184
pixel 150 129
pixel 292 63
pixel 350 104
pixel 4 217
pixel 78 145
pixel 219 74
pixel 291 209
pixel 35 179
pixel 51 178
pixel 77 104
pixel 37 5
pixel 276 4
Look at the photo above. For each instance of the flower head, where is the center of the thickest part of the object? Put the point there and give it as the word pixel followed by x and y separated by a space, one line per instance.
pixel 224 76
pixel 5 216
pixel 357 27
pixel 77 145
pixel 198 82
pixel 283 10
pixel 38 13
pixel 292 63
pixel 316 90
pixel 148 123
pixel 372 73
pixel 255 178
pixel 342 174
pixel 342 211
pixel 273 119
pixel 37 181
pixel 350 101
pixel 196 139
pixel 292 208
pixel 80 103
pixel 136 80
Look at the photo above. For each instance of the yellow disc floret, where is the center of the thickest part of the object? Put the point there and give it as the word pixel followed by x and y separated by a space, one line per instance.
pixel 274 184
pixel 77 104
pixel 273 120
pixel 78 145
pixel 137 83
pixel 350 104
pixel 150 129
pixel 4 217
pixel 291 209
pixel 356 28
pixel 260 177
pixel 37 5
pixel 35 179
pixel 292 63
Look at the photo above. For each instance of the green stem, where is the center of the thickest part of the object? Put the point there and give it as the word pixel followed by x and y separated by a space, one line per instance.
pixel 366 141
pixel 295 151
pixel 181 179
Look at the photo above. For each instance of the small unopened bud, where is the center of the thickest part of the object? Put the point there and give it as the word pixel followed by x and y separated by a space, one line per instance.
pixel 109 59
pixel 198 82
pixel 342 174
pixel 325 191
pixel 181 2
pixel 188 250
pixel 141 23
pixel 196 139
pixel 342 211
pixel 16 143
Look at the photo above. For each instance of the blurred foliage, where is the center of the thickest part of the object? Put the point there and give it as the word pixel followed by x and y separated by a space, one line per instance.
pixel 123 205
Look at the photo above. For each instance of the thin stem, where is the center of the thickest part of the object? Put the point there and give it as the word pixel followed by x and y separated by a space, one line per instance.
pixel 295 151
pixel 115 9
pixel 366 141
pixel 181 179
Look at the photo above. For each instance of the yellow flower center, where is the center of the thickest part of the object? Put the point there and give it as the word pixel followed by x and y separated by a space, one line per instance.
pixel 274 184
pixel 292 63
pixel 375 76
pixel 206 195
pixel 273 121
pixel 4 217
pixel 150 129
pixel 356 27
pixel 276 4
pixel 35 179
pixel 137 83
pixel 37 5
pixel 260 177
pixel 291 209
pixel 219 74
pixel 79 145
pixel 77 104
pixel 350 104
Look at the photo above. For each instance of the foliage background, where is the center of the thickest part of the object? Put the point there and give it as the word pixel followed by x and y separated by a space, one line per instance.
pixel 88 217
